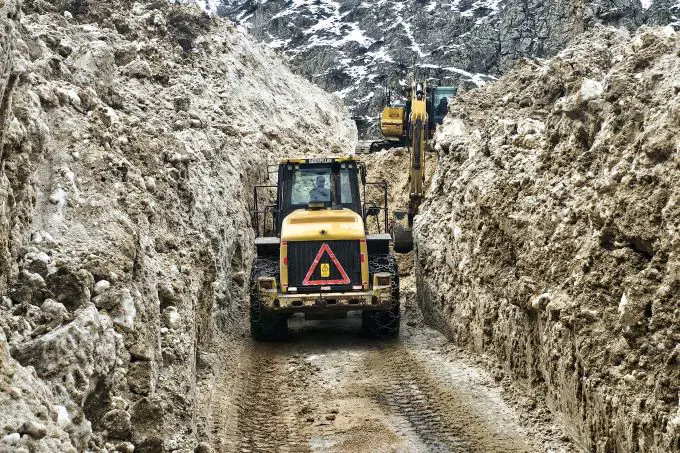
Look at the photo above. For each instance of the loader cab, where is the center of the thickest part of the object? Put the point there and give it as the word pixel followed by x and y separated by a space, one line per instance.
pixel 309 185
pixel 318 184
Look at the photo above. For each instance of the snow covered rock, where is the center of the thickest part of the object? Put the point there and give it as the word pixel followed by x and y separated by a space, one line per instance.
pixel 77 351
pixel 358 48
pixel 101 286
pixel 172 318
pixel 590 90
pixel 138 68
pixel 34 429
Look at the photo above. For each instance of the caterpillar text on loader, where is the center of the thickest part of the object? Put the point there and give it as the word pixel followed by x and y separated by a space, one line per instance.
pixel 314 253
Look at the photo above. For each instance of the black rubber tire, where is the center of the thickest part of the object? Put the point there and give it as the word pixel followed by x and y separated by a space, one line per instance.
pixel 383 324
pixel 265 326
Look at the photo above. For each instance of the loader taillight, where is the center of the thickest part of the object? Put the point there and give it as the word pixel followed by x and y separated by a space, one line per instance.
pixel 382 279
pixel 362 257
pixel 266 283
pixel 285 261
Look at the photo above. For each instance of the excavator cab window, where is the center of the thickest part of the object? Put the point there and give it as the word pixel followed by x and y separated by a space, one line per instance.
pixel 442 98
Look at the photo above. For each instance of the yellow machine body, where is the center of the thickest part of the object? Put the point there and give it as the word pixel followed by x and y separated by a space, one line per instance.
pixel 316 258
pixel 392 123
pixel 322 225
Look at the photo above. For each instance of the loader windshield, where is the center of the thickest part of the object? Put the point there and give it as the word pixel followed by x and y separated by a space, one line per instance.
pixel 301 184
pixel 314 185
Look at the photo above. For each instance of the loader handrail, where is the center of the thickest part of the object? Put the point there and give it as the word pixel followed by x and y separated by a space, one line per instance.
pixel 256 212
pixel 382 185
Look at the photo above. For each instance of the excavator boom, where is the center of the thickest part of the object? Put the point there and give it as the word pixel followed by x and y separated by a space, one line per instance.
pixel 418 142
pixel 418 134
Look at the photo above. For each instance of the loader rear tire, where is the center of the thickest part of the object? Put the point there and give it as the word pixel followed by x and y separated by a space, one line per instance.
pixel 383 324
pixel 265 326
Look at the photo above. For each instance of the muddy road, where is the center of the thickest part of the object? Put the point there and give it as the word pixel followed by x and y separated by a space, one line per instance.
pixel 327 389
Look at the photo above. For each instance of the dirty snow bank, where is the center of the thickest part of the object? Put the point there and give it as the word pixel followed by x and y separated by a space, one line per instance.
pixel 136 134
pixel 550 237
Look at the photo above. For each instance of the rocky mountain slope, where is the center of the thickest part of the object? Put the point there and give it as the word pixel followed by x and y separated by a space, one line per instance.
pixel 357 48
pixel 550 237
pixel 132 138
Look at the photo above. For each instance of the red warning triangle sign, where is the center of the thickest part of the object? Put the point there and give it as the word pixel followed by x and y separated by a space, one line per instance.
pixel 325 248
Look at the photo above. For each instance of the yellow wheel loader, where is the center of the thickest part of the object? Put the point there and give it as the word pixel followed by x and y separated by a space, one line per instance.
pixel 314 253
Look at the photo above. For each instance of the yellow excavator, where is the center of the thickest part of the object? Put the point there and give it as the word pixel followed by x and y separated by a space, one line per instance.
pixel 426 108
pixel 411 124
pixel 396 120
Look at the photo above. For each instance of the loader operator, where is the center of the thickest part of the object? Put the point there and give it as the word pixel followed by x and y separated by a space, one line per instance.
pixel 320 192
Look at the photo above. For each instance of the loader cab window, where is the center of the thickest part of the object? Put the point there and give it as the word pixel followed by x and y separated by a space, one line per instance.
pixel 314 185
pixel 305 183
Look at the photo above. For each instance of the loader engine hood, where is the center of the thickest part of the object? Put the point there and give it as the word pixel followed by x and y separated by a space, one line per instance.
pixel 323 250
pixel 324 224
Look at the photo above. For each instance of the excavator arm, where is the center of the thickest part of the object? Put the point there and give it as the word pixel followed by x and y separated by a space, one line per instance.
pixel 418 134
pixel 418 142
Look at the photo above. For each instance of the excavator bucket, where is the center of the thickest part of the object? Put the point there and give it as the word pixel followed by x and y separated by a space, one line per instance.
pixel 402 232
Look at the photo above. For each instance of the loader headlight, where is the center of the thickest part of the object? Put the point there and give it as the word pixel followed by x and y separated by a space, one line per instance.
pixel 266 283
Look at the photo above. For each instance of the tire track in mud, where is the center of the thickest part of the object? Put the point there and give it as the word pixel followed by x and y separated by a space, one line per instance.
pixel 259 407
pixel 443 420
pixel 265 417
pixel 328 390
